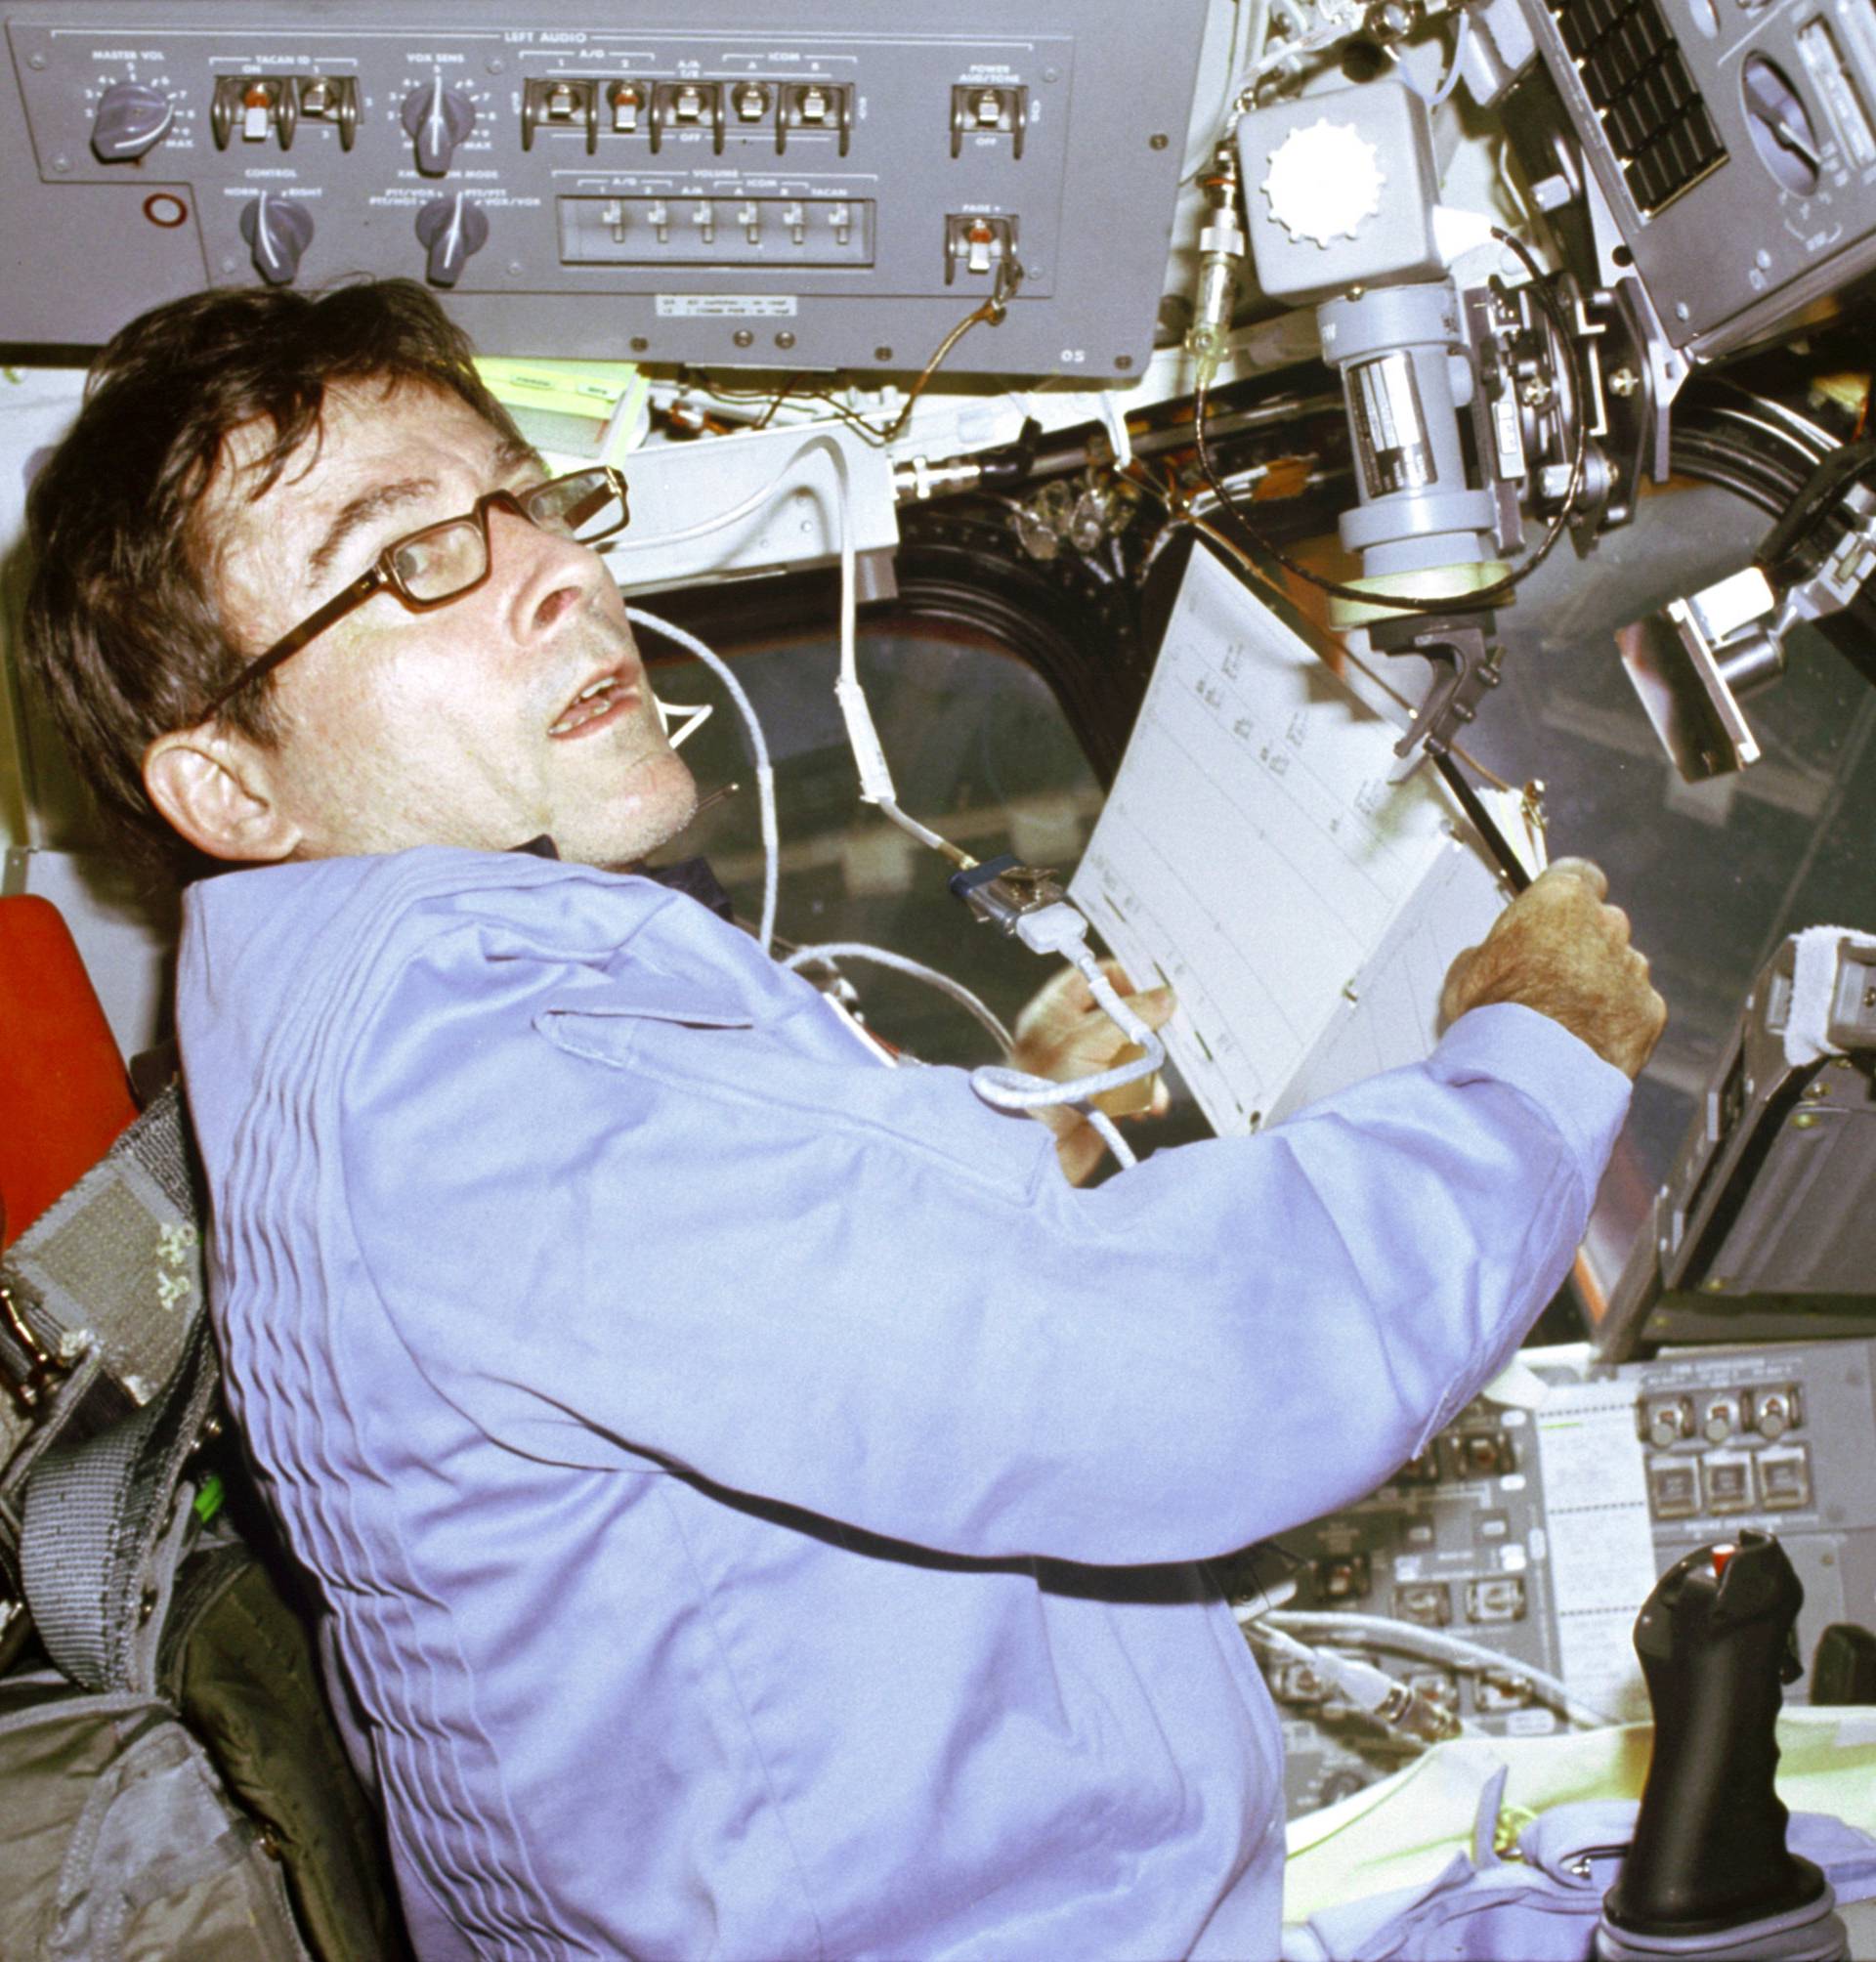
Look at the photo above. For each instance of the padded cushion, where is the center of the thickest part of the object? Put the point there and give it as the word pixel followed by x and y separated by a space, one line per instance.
pixel 63 1094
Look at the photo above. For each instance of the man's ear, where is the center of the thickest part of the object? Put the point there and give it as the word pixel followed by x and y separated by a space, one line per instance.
pixel 215 789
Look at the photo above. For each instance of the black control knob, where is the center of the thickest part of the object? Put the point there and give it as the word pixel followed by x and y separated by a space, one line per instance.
pixel 436 119
pixel 132 117
pixel 279 230
pixel 1708 1865
pixel 449 228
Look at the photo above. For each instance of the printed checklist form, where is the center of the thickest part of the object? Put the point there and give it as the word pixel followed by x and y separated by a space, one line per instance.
pixel 1255 853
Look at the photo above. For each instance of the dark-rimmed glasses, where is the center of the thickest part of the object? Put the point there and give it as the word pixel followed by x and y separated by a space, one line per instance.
pixel 446 561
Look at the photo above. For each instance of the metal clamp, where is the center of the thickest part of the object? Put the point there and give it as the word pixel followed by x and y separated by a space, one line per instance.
pixel 1466 669
pixel 44 1370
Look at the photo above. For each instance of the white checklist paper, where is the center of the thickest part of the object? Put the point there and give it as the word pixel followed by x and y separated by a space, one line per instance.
pixel 1599 1541
pixel 1255 853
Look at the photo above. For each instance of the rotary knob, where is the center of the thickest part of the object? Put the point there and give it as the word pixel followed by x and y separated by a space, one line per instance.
pixel 450 229
pixel 436 119
pixel 1324 182
pixel 132 119
pixel 278 231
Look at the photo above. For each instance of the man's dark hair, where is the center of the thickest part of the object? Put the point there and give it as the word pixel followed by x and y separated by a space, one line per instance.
pixel 121 630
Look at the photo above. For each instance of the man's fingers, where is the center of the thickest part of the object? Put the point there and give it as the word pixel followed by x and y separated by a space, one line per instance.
pixel 1155 1006
pixel 1588 871
pixel 1451 1003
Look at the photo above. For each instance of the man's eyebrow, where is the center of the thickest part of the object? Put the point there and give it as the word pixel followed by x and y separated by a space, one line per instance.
pixel 363 510
pixel 511 452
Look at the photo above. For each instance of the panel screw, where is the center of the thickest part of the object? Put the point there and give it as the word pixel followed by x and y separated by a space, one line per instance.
pixel 639 344
pixel 35 60
pixel 62 164
pixel 785 339
pixel 1158 140
pixel 1624 382
pixel 1123 360
pixel 743 338
pixel 882 354
pixel 496 65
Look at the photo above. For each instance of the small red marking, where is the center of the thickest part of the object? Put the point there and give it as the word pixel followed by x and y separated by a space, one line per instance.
pixel 1721 1556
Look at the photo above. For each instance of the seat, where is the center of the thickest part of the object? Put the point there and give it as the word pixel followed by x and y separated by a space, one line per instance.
pixel 64 1094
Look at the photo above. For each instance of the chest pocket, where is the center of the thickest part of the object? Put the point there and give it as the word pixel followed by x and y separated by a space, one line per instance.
pixel 793 1056
pixel 602 1023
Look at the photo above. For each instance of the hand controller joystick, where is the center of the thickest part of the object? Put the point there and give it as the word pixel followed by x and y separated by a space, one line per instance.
pixel 1708 1874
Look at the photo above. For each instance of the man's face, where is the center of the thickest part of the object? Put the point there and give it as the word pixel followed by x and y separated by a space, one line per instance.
pixel 471 725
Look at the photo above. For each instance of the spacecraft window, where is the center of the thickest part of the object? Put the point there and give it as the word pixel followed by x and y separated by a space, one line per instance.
pixel 979 747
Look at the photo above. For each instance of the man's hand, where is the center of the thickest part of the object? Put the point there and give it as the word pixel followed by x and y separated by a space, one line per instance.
pixel 1558 948
pixel 1063 1033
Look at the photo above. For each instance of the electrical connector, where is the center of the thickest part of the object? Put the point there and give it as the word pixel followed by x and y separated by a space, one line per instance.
pixel 1004 892
pixel 1221 260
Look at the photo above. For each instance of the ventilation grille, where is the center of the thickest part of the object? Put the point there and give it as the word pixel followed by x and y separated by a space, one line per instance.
pixel 1638 80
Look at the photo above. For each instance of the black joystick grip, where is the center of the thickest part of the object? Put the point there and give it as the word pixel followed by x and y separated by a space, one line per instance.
pixel 1716 1642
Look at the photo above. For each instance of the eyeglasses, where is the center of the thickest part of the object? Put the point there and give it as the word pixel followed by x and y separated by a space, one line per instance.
pixel 445 561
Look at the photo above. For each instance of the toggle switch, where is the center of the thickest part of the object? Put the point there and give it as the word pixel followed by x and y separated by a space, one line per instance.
pixel 626 101
pixel 979 244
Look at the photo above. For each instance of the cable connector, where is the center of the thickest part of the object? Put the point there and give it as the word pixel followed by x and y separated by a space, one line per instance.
pixel 1005 891
pixel 1024 901
pixel 1223 250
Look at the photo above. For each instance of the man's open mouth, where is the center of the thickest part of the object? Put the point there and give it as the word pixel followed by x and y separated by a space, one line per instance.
pixel 600 699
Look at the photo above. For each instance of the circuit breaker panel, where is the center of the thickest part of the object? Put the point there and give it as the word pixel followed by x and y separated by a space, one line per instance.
pixel 1534 1537
pixel 811 185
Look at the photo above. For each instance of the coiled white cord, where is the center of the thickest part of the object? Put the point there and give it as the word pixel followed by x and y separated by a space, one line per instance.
pixel 1016 1090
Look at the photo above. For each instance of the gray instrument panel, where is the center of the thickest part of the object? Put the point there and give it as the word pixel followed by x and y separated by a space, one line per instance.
pixel 1734 143
pixel 1781 1436
pixel 790 184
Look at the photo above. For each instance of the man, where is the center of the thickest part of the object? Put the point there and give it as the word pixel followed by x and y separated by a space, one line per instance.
pixel 759 1501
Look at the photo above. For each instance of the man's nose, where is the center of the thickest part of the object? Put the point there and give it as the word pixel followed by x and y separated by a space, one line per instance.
pixel 540 573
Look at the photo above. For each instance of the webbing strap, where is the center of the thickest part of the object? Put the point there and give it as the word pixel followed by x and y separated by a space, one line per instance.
pixel 105 1522
pixel 114 1274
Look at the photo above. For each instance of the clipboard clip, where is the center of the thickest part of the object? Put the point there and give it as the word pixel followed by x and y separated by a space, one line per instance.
pixel 1464 671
